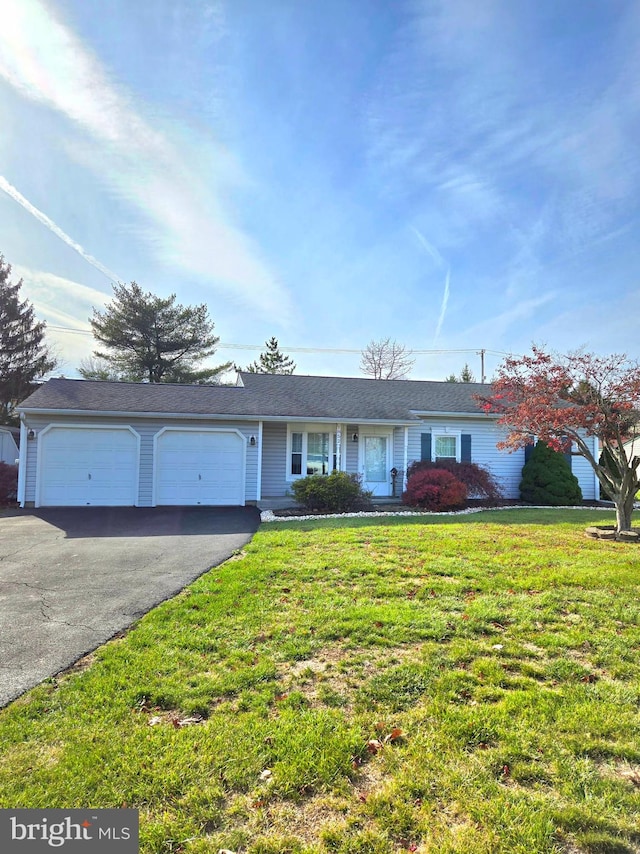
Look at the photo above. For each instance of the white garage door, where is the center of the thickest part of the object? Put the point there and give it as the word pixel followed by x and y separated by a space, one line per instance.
pixel 88 465
pixel 200 467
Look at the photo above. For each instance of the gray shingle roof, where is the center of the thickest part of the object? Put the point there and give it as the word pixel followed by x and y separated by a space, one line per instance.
pixel 266 396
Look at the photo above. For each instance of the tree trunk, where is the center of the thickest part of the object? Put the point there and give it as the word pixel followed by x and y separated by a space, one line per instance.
pixel 624 508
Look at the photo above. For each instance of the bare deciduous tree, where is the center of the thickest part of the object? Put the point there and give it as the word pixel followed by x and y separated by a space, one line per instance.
pixel 386 360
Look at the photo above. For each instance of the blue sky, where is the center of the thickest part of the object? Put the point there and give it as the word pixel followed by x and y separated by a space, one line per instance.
pixel 454 174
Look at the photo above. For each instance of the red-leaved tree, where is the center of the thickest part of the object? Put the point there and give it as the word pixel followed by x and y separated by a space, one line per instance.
pixel 575 398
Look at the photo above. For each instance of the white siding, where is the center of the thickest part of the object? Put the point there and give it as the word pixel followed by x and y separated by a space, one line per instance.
pixel 505 467
pixel 274 460
pixel 147 429
pixel 8 448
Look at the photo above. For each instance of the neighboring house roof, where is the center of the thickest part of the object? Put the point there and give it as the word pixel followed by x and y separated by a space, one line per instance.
pixel 264 396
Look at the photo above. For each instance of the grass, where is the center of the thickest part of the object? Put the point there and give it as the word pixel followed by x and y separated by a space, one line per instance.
pixel 459 684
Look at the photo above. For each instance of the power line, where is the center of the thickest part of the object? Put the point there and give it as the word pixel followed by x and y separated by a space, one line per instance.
pixel 337 350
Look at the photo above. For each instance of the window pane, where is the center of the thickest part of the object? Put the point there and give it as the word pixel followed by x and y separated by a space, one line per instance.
pixel 375 459
pixel 446 447
pixel 296 453
pixel 318 453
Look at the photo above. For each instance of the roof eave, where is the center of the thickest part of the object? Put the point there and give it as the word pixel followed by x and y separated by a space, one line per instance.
pixel 216 416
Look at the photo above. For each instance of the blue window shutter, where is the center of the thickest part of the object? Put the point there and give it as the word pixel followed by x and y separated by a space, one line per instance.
pixel 465 448
pixel 528 450
pixel 567 457
pixel 425 446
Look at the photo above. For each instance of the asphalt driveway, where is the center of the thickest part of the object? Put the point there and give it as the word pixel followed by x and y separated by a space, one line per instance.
pixel 70 579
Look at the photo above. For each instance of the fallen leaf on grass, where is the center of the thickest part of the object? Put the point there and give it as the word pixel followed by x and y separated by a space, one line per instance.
pixel 395 735
pixel 266 774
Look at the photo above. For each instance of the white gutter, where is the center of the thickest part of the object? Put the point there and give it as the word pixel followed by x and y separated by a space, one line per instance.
pixel 190 416
pixel 446 414
pixel 22 463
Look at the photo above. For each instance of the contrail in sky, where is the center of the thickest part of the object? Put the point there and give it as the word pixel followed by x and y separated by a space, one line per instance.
pixel 443 306
pixel 430 248
pixel 11 191
pixel 437 257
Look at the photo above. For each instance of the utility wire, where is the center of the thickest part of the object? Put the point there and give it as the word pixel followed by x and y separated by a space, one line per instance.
pixel 339 350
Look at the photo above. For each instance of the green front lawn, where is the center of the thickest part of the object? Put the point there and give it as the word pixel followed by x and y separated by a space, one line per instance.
pixel 454 684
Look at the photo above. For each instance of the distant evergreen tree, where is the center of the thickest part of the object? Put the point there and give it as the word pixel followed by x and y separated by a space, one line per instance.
pixel 466 376
pixel 24 357
pixel 272 361
pixel 547 479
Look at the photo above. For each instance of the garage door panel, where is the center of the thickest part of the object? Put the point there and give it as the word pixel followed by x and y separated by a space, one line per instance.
pixel 200 467
pixel 82 466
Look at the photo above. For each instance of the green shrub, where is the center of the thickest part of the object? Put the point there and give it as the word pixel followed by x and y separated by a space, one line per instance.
pixel 547 479
pixel 338 492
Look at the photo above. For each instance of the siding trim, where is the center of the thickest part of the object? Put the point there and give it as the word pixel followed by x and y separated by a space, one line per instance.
pixel 259 472
pixel 22 464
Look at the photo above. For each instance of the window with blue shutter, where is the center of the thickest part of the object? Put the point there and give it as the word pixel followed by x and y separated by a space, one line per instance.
pixel 425 446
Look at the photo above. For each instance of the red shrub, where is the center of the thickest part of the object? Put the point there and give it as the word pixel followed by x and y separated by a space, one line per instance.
pixel 435 489
pixel 479 481
pixel 8 483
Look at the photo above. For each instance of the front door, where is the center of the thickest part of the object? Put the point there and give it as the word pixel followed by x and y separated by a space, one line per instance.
pixel 375 464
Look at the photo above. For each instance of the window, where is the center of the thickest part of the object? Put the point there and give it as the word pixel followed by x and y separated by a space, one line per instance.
pixel 296 453
pixel 311 452
pixel 446 448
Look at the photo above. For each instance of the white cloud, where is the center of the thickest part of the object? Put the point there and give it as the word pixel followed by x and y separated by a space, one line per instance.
pixel 66 306
pixel 47 63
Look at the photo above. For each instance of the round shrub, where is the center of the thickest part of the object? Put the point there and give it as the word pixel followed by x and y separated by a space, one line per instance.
pixel 480 482
pixel 547 479
pixel 435 489
pixel 338 492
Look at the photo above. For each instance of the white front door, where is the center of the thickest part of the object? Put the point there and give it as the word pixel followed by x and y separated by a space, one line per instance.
pixel 375 463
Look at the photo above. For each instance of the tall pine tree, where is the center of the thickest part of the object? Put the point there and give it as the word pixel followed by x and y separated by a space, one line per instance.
pixel 24 357
pixel 152 339
pixel 272 361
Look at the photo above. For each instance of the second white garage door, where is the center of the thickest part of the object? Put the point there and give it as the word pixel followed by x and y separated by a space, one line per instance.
pixel 200 467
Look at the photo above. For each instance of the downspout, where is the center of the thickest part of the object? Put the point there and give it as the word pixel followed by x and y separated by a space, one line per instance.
pixel 259 472
pixel 22 462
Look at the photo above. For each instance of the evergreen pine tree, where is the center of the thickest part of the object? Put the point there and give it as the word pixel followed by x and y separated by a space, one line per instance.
pixel 547 479
pixel 272 361
pixel 24 357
